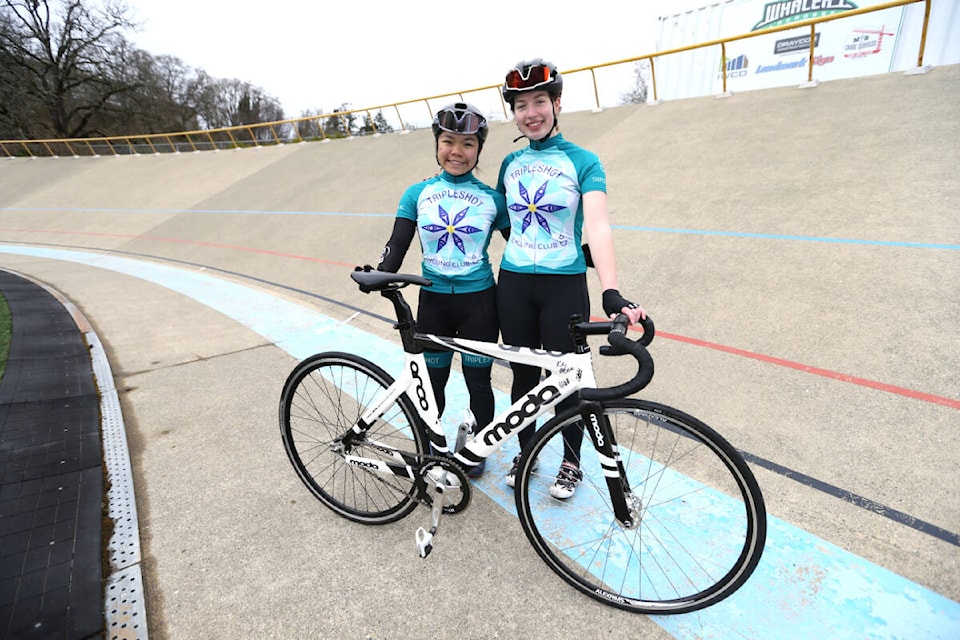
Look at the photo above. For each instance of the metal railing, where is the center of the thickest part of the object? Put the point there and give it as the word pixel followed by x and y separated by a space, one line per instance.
pixel 302 129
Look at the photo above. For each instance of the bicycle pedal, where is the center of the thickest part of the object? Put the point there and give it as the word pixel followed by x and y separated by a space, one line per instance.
pixel 424 542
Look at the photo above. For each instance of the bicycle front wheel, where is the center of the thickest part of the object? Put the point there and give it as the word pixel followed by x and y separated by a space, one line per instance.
pixel 325 396
pixel 698 518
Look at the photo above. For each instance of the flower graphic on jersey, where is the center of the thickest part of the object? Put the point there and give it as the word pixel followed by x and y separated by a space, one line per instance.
pixel 450 229
pixel 534 208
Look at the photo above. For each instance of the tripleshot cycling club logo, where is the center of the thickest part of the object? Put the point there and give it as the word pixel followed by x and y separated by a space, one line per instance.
pixel 534 207
pixel 787 11
pixel 451 230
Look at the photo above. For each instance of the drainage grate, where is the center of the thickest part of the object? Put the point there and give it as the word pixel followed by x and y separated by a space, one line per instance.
pixel 125 610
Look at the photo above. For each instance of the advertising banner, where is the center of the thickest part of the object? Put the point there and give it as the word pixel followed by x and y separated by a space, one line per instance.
pixel 865 44
pixel 858 46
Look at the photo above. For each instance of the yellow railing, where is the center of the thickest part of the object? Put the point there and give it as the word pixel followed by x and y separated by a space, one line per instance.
pixel 312 127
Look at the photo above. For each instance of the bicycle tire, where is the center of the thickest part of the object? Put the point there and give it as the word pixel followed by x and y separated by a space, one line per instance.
pixel 700 520
pixel 323 397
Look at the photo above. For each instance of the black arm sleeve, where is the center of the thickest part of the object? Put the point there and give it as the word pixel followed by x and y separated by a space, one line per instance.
pixel 397 245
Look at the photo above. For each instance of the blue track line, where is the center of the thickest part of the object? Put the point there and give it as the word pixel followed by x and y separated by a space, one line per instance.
pixel 804 587
pixel 699 232
pixel 777 236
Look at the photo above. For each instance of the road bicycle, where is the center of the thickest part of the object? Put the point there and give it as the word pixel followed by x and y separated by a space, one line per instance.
pixel 668 517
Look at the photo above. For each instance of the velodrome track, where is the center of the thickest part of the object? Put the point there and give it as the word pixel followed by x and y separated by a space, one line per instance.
pixel 799 250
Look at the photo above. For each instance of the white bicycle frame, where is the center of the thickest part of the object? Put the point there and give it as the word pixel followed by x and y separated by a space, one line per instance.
pixel 570 372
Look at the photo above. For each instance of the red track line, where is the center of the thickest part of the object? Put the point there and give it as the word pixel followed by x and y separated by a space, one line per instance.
pixel 826 373
pixel 863 382
pixel 833 375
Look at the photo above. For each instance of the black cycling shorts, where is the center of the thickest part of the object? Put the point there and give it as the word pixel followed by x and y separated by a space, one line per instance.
pixel 463 315
pixel 535 309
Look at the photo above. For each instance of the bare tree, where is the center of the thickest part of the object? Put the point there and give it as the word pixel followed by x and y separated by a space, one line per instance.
pixel 232 102
pixel 377 124
pixel 66 71
pixel 164 99
pixel 65 60
pixel 342 125
pixel 638 93
pixel 310 129
pixel 16 105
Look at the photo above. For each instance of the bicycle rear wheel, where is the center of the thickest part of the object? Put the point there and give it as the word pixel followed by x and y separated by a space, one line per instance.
pixel 324 396
pixel 699 521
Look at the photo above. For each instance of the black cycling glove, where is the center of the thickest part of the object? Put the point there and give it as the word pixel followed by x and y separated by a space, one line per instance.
pixel 613 302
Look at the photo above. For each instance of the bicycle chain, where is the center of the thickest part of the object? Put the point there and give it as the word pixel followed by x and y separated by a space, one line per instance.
pixel 423 460
pixel 451 466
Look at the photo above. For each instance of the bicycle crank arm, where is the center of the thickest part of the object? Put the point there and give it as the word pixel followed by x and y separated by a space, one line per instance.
pixel 424 537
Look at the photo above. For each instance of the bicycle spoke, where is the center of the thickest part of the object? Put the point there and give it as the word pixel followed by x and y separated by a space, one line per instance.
pixel 322 401
pixel 697 532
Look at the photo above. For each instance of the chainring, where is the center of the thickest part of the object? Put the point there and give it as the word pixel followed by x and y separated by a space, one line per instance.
pixel 431 469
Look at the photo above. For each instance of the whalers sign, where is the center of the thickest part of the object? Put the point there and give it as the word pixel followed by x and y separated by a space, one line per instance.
pixel 787 11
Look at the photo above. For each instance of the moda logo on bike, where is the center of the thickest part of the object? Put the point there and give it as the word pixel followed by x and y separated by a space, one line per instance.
pixel 532 405
pixel 787 11
pixel 595 424
pixel 421 392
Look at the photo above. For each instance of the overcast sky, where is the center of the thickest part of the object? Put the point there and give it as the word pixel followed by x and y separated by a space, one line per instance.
pixel 316 55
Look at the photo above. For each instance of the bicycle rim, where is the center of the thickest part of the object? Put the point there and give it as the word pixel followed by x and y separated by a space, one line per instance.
pixel 323 397
pixel 699 518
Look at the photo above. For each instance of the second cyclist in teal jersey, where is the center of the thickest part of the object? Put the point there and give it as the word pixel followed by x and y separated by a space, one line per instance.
pixel 555 191
pixel 454 214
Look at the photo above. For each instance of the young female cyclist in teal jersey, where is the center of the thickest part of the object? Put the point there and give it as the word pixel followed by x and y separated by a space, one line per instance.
pixel 454 214
pixel 555 191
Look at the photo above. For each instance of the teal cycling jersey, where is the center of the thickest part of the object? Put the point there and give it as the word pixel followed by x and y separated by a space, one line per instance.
pixel 455 216
pixel 543 184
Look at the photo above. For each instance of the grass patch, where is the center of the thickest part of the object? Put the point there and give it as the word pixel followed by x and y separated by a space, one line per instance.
pixel 6 327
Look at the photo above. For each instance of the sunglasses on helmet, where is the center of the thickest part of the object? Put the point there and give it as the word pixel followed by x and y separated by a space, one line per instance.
pixel 535 76
pixel 464 122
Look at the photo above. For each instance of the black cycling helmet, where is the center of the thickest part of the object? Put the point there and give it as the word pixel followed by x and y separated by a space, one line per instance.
pixel 460 117
pixel 532 75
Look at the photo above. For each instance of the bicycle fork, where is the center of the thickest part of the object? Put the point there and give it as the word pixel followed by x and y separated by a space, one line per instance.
pixel 626 511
